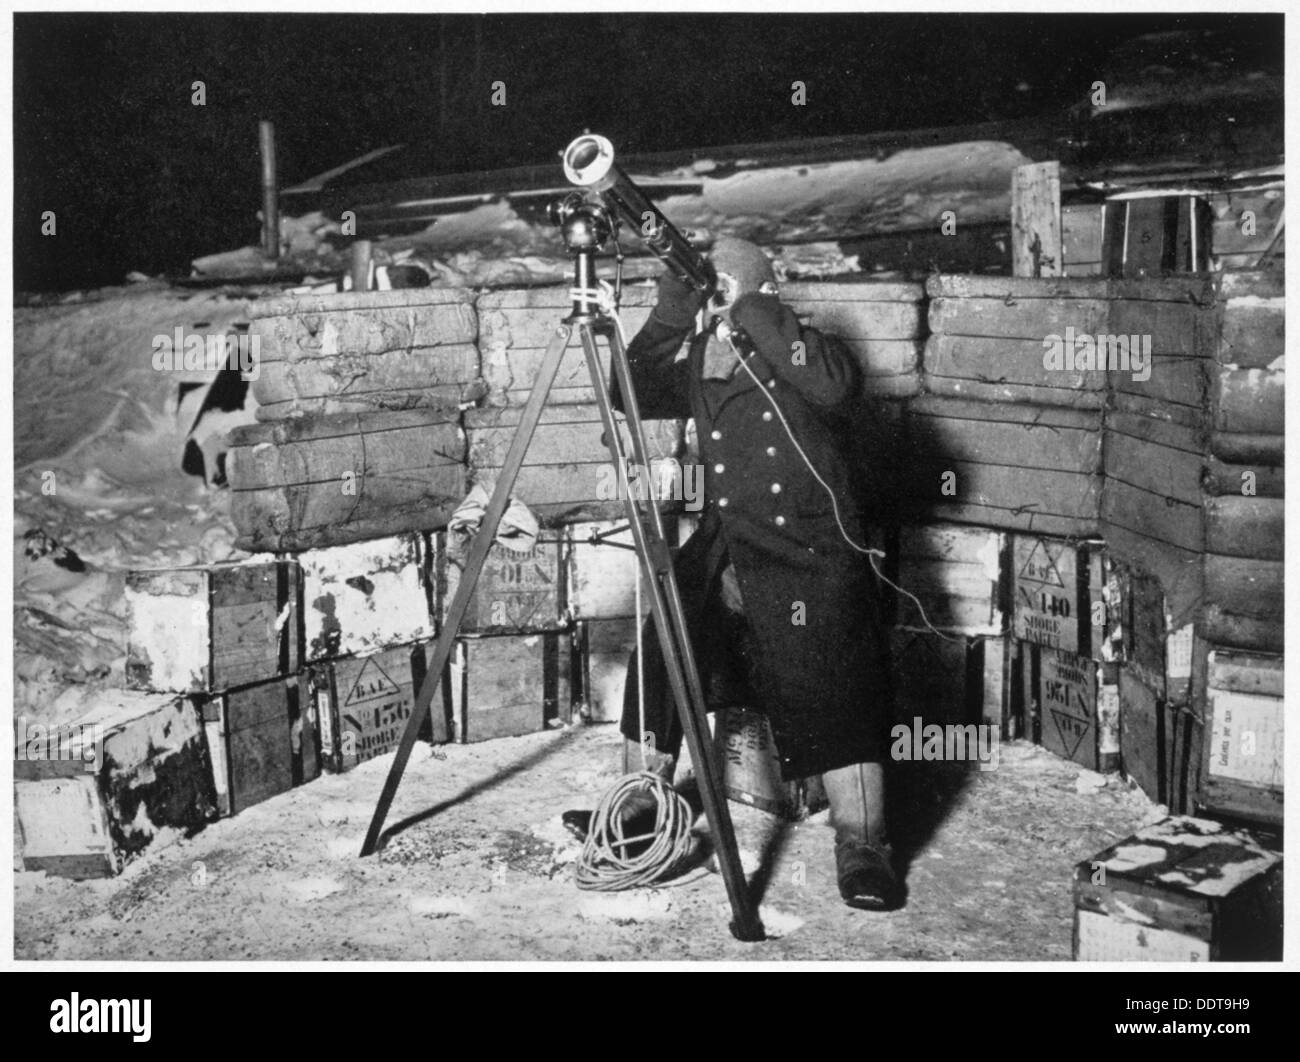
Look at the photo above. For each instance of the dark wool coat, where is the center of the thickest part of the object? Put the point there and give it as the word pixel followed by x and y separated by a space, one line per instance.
pixel 813 657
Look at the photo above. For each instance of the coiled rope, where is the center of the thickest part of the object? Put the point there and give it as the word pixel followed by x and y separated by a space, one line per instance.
pixel 612 860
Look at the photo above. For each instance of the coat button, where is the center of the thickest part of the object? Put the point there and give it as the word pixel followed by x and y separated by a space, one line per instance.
pixel 779 521
pixel 771 384
pixel 722 503
pixel 719 468
pixel 767 414
pixel 715 434
pixel 771 451
pixel 776 488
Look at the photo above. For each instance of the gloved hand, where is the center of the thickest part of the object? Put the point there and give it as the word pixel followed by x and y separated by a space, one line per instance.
pixel 678 302
pixel 767 321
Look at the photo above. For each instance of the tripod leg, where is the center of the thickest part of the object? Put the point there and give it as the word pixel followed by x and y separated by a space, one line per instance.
pixel 670 625
pixel 478 552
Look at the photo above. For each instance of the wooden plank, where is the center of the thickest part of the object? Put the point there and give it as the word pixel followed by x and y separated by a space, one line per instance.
pixel 300 328
pixel 1254 332
pixel 851 290
pixel 449 370
pixel 1170 381
pixel 1251 402
pixel 1251 527
pixel 1020 494
pixel 1162 459
pixel 302 485
pixel 944 431
pixel 1174 327
pixel 864 320
pixel 1190 289
pixel 1036 220
pixel 1018 318
pixel 1022 518
pixel 1007 361
pixel 1172 412
pixel 1162 517
pixel 1015 393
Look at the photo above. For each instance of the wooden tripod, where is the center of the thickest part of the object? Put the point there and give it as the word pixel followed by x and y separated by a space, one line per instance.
pixel 656 564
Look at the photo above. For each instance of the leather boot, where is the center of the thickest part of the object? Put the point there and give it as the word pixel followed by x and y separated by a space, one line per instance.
pixel 638 810
pixel 863 858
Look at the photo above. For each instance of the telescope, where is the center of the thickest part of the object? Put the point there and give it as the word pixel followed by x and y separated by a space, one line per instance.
pixel 589 163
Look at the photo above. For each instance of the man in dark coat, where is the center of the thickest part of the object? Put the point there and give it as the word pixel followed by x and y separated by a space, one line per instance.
pixel 781 608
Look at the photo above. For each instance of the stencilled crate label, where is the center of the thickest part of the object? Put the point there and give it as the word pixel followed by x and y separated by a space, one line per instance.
pixel 373 709
pixel 1051 608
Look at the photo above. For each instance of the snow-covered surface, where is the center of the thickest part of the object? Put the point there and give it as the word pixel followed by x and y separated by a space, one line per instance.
pixel 801 213
pixel 98 439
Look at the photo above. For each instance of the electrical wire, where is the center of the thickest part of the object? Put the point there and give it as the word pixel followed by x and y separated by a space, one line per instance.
pixel 729 335
pixel 612 860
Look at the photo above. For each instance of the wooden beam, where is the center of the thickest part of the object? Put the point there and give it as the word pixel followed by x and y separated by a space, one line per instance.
pixel 1036 249
pixel 270 193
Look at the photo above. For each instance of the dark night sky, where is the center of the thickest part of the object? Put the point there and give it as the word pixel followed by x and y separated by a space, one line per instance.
pixel 106 136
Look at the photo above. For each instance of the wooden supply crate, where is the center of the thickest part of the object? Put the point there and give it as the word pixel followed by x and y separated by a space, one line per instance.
pixel 1245 753
pixel 603 571
pixel 567 475
pixel 1018 467
pixel 1157 235
pixel 1065 596
pixel 353 352
pixel 149 781
pixel 362 704
pixel 955 572
pixel 1070 705
pixel 208 628
pixel 987 338
pixel 1160 742
pixel 518 591
pixel 881 323
pixel 515 327
pixel 751 768
pixel 327 481
pixel 1153 479
pixel 1182 890
pixel 367 596
pixel 507 685
pixel 262 741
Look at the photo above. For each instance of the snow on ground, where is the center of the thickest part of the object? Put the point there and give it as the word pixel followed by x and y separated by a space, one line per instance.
pixel 477 867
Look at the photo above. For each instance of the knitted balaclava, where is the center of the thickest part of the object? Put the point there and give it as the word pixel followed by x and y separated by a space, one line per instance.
pixel 744 261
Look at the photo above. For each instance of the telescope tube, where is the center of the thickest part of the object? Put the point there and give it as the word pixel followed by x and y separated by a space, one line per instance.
pixel 589 163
